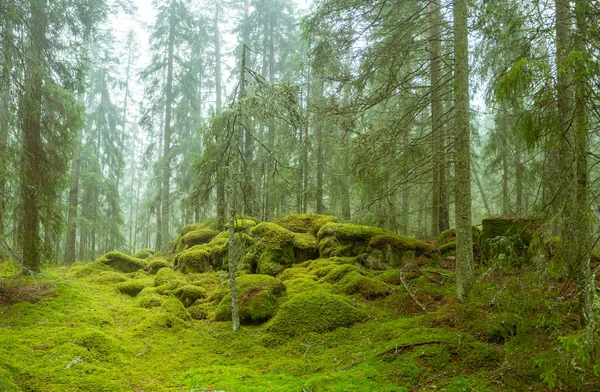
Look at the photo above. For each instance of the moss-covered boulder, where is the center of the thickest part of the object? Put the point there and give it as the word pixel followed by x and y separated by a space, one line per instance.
pixel 306 223
pixel 121 262
pixel 109 277
pixel 314 312
pixel 273 250
pixel 148 298
pixel 165 276
pixel 205 257
pixel 144 253
pixel 156 264
pixel 131 287
pixel 304 285
pixel 295 273
pixel 356 283
pixel 198 237
pixel 518 230
pixel 188 294
pixel 258 297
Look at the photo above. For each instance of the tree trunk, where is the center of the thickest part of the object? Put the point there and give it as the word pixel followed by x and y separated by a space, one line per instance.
pixel 437 109
pixel 518 175
pixel 4 129
pixel 580 212
pixel 318 124
pixel 462 144
pixel 74 195
pixel 166 173
pixel 31 109
pixel 486 203
pixel 218 106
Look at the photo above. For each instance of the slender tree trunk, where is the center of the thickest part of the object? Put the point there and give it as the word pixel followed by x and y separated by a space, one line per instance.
pixel 580 218
pixel 74 195
pixel 518 174
pixel 437 109
pixel 318 124
pixel 505 182
pixel 218 106
pixel 4 129
pixel 32 139
pixel 166 173
pixel 462 145
pixel 486 203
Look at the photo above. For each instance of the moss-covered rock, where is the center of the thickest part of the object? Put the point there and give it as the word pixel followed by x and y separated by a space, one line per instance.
pixel 164 276
pixel 149 298
pixel 245 223
pixel 295 273
pixel 175 308
pixel 258 297
pixel 156 264
pixel 198 237
pixel 518 230
pixel 205 257
pixel 391 276
pixel 121 262
pixel 306 223
pixel 95 341
pixel 273 251
pixel 144 253
pixel 334 273
pixel 314 312
pixel 109 277
pixel 201 311
pixel 188 294
pixel 131 287
pixel 304 285
pixel 356 283
pixel 448 249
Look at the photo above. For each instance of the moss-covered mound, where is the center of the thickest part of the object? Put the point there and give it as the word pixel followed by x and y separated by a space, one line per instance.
pixel 109 277
pixel 188 294
pixel 121 262
pixel 314 312
pixel 447 241
pixel 205 257
pixel 258 297
pixel 131 287
pixel 198 237
pixel 356 283
pixel 155 264
pixel 144 253
pixel 306 223
pixel 165 276
pixel 519 231
pixel 278 248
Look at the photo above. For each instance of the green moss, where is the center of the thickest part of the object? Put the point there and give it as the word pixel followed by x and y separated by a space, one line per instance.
pixel 95 341
pixel 334 273
pixel 189 294
pixel 201 311
pixel 294 273
pixel 109 277
pixel 305 247
pixel 9 268
pixel 155 264
pixel 121 262
pixel 391 276
pixel 313 312
pixel 356 283
pixel 205 257
pixel 144 254
pixel 448 249
pixel 175 308
pixel 272 261
pixel 131 287
pixel 258 297
pixel 306 223
pixel 148 299
pixel 198 237
pixel 165 275
pixel 272 234
pixel 304 285
pixel 244 223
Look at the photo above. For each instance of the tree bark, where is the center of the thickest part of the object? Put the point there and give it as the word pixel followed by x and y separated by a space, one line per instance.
pixel 166 173
pixel 437 109
pixel 74 195
pixel 31 109
pixel 218 106
pixel 462 144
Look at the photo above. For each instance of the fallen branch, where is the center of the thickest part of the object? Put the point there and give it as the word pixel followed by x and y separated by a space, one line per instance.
pixel 412 295
pixel 399 349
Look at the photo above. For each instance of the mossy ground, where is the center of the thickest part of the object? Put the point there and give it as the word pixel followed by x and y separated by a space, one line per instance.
pixel 337 326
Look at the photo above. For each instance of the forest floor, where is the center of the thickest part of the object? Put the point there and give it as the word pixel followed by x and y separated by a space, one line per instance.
pixel 74 331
